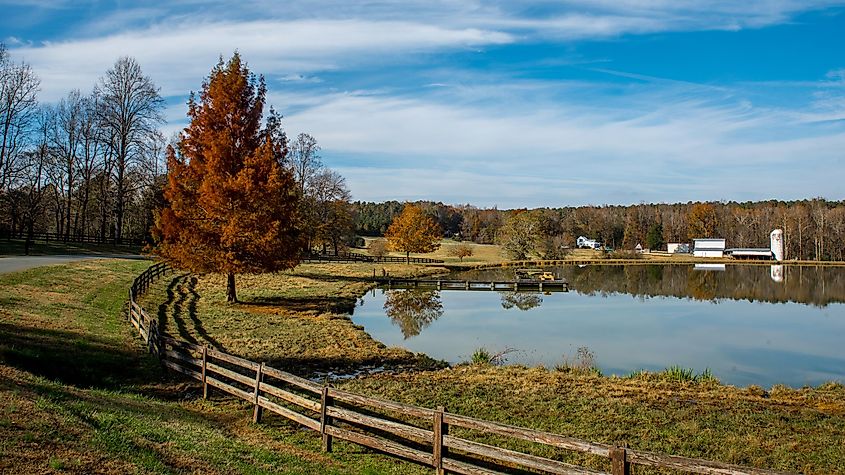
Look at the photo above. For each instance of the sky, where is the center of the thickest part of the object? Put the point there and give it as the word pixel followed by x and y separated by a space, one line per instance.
pixel 498 103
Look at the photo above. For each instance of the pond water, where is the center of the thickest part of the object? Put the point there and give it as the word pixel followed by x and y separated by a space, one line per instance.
pixel 747 324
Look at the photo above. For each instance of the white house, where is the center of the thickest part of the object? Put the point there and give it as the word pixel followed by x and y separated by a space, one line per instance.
pixel 583 242
pixel 708 247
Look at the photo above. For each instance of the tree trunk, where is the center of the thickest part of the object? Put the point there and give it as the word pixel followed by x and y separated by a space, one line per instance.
pixel 408 257
pixel 231 294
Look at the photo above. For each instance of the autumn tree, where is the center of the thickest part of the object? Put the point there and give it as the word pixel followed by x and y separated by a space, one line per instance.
pixel 378 248
pixel 460 251
pixel 701 221
pixel 413 231
pixel 231 205
pixel 520 234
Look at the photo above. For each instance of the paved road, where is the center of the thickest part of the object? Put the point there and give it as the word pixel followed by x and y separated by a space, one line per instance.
pixel 18 263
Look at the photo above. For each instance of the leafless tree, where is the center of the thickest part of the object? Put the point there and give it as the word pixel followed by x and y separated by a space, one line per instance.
pixel 18 89
pixel 65 143
pixel 305 160
pixel 130 113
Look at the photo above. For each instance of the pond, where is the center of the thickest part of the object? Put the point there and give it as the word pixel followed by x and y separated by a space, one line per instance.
pixel 747 324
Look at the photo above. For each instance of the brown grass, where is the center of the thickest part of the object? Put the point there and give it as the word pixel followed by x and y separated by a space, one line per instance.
pixel 297 320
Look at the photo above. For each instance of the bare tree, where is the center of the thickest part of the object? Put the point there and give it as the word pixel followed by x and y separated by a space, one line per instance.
pixel 18 88
pixel 89 162
pixel 330 214
pixel 33 176
pixel 305 160
pixel 130 113
pixel 65 142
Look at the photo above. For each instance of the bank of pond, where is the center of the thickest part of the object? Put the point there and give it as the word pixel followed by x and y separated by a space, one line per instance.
pixel 744 325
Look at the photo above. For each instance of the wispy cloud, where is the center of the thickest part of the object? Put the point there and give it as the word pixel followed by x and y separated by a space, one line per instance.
pixel 180 54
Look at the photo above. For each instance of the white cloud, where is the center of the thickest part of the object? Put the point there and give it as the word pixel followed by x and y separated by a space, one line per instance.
pixel 179 55
pixel 501 153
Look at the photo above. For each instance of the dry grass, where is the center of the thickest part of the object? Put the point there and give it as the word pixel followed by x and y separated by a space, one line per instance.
pixel 79 394
pixel 793 430
pixel 296 320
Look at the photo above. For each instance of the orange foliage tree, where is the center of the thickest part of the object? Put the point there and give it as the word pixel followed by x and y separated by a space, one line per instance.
pixel 231 204
pixel 413 231
pixel 702 221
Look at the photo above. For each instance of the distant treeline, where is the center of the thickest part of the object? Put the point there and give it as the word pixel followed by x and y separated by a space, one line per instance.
pixel 813 229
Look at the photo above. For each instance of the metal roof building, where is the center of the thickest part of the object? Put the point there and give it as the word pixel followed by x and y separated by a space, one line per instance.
pixel 708 247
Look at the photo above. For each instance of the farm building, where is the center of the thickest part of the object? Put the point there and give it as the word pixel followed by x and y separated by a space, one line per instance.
pixel 750 253
pixel 708 247
pixel 775 250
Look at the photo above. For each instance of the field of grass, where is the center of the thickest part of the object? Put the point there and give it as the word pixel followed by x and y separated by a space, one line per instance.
pixel 79 394
pixel 296 320
pixel 115 410
pixel 16 247
pixel 792 430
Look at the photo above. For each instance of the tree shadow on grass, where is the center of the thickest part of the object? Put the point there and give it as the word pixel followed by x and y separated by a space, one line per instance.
pixel 74 358
pixel 182 298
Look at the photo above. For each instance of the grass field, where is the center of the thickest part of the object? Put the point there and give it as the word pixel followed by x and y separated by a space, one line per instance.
pixel 78 394
pixel 115 411
pixel 295 320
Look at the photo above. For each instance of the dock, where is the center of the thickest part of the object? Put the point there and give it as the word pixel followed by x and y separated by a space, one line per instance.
pixel 499 285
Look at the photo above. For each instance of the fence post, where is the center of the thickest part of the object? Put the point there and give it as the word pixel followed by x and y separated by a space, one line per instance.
pixel 440 429
pixel 618 461
pixel 257 410
pixel 204 362
pixel 325 420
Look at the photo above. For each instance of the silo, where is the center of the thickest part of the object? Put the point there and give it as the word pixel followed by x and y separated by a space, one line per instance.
pixel 777 244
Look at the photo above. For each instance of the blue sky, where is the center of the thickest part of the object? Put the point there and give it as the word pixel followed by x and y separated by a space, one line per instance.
pixel 514 104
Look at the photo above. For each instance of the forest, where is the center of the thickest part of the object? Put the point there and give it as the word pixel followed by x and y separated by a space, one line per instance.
pixel 814 229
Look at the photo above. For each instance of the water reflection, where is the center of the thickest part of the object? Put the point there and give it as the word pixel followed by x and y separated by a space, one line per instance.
pixel 678 316
pixel 413 310
pixel 521 300
pixel 812 285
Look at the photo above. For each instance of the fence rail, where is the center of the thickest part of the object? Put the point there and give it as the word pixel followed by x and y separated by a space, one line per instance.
pixel 72 238
pixel 414 433
pixel 358 257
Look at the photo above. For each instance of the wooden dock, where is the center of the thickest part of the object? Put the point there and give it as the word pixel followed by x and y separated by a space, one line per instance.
pixel 499 285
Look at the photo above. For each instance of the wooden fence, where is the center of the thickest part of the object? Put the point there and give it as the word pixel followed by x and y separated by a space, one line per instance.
pixel 358 257
pixel 413 433
pixel 72 238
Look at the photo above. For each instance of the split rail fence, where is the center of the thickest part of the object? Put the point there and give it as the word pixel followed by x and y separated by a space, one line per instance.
pixel 358 257
pixel 410 432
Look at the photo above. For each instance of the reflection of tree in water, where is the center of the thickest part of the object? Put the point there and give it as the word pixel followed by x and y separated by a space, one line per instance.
pixel 521 300
pixel 413 310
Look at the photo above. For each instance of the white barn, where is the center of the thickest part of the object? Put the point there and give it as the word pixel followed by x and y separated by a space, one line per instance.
pixel 708 247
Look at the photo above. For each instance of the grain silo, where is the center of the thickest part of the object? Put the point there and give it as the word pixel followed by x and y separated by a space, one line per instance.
pixel 777 244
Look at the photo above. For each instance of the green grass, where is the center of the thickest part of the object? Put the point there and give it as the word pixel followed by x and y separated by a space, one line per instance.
pixel 16 247
pixel 117 412
pixel 783 429
pixel 78 393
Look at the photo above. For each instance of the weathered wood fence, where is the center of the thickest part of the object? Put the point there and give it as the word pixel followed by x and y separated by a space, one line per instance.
pixel 358 257
pixel 413 433
pixel 72 238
